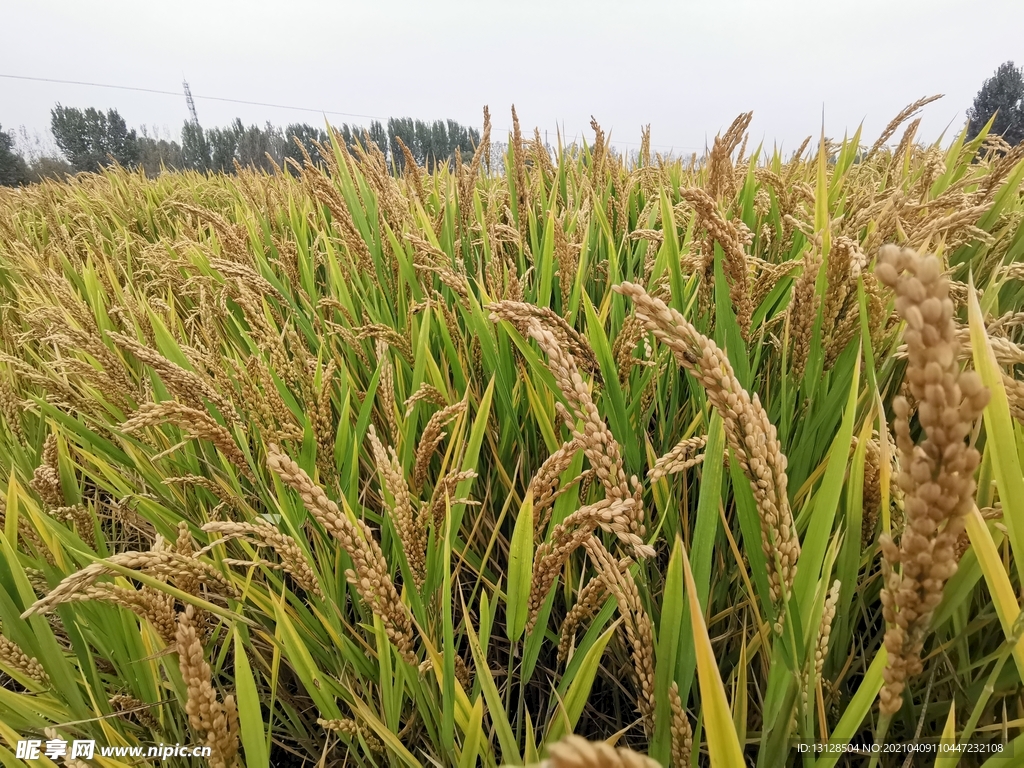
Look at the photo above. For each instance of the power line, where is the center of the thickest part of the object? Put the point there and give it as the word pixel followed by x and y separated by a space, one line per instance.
pixel 195 96
pixel 177 94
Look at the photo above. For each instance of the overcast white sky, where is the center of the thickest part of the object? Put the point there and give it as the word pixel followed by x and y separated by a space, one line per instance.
pixel 687 68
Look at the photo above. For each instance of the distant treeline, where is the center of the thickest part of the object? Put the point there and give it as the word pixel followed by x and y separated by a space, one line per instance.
pixel 90 139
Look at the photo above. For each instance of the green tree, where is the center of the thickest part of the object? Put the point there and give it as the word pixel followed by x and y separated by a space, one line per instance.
pixel 405 129
pixel 122 143
pixel 422 149
pixel 347 134
pixel 308 136
pixel 379 136
pixel 255 144
pixel 440 145
pixel 195 148
pixel 224 146
pixel 156 154
pixel 50 167
pixel 429 143
pixel 13 170
pixel 90 138
pixel 463 138
pixel 1001 95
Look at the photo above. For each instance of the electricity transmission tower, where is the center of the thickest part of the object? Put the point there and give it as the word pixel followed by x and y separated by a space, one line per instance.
pixel 190 102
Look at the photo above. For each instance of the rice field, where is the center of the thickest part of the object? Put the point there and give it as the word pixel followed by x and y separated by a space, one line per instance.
pixel 578 460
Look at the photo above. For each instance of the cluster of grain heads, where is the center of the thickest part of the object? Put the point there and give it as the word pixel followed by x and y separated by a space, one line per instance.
pixel 431 439
pixel 132 709
pixel 187 385
pixel 408 521
pixel 152 605
pixel 200 424
pixel 816 660
pixel 841 311
pixel 46 478
pixel 577 752
pixel 543 486
pixel 16 659
pixel 322 412
pixel 802 312
pixel 937 474
pixel 872 499
pixel 46 483
pixel 1015 396
pixel 568 536
pixel 444 494
pixel 636 623
pixel 369 574
pixel 682 734
pixel 598 443
pixel 215 720
pixel 212 317
pixel 588 602
pixel 621 511
pixel 386 390
pixel 177 569
pixel 10 409
pixel 81 520
pixel 261 533
pixel 751 435
pixel 353 730
pixel 825 628
pixel 733 238
pixel 682 456
pixel 178 566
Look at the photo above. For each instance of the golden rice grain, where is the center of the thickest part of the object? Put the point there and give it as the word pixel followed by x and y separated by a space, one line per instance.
pixel 577 752
pixel 750 434
pixel 369 575
pixel 215 720
pixel 937 475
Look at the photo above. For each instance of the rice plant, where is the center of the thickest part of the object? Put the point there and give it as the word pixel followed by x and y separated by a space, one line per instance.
pixel 578 460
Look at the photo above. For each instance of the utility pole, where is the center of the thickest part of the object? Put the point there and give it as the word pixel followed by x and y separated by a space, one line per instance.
pixel 190 102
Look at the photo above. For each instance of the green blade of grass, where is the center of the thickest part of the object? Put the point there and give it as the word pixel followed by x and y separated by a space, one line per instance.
pixel 495 706
pixel 857 709
pixel 1006 463
pixel 669 633
pixel 520 570
pixel 578 693
pixel 250 715
pixel 723 744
